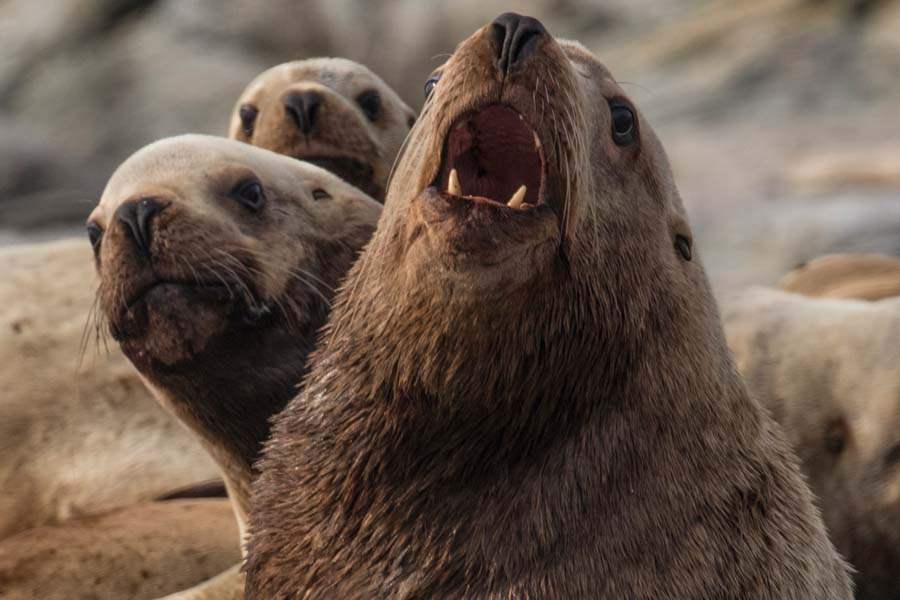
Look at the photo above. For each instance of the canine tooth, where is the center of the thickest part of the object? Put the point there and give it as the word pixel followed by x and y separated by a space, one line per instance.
pixel 453 187
pixel 517 198
pixel 537 140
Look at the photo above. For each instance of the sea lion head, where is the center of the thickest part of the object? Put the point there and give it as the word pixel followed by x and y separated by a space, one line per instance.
pixel 530 188
pixel 331 112
pixel 206 247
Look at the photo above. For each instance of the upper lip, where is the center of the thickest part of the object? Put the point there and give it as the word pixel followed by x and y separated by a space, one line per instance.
pixel 493 155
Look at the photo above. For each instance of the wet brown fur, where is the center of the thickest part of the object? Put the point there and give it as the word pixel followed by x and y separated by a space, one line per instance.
pixel 532 405
pixel 342 129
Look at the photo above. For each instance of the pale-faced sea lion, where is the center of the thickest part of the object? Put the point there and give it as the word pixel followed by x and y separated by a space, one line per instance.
pixel 828 371
pixel 863 276
pixel 332 112
pixel 524 389
pixel 75 440
pixel 138 552
pixel 217 264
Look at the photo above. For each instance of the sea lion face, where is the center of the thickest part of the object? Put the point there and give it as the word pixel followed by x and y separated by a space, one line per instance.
pixel 526 156
pixel 332 112
pixel 204 244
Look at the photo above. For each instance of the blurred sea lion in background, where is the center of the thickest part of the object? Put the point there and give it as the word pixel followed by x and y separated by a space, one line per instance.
pixel 142 551
pixel 332 112
pixel 75 439
pixel 829 372
pixel 862 276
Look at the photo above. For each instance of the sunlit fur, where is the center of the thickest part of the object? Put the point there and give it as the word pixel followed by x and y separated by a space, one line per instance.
pixel 532 404
pixel 342 128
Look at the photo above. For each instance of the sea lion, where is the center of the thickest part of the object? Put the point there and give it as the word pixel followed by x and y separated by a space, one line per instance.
pixel 75 439
pixel 217 263
pixel 524 389
pixel 863 276
pixel 827 370
pixel 140 551
pixel 331 112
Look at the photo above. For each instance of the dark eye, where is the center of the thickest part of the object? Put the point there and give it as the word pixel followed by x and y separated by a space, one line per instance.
pixel 370 102
pixel 624 129
pixel 429 85
pixel 320 194
pixel 95 234
pixel 250 195
pixel 248 114
pixel 683 245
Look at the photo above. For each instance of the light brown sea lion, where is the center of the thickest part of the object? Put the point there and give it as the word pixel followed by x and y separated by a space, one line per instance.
pixel 524 389
pixel 141 551
pixel 331 112
pixel 863 276
pixel 75 440
pixel 217 264
pixel 828 371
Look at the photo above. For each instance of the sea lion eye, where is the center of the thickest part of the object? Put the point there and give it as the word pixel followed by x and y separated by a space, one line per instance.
pixel 250 195
pixel 370 102
pixel 95 235
pixel 683 246
pixel 320 194
pixel 429 85
pixel 248 114
pixel 623 123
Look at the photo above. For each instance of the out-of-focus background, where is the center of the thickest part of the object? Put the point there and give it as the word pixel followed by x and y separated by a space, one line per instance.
pixel 781 117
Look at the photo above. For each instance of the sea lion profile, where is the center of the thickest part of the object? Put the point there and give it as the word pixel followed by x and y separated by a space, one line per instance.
pixel 217 263
pixel 524 389
pixel 827 371
pixel 863 276
pixel 331 112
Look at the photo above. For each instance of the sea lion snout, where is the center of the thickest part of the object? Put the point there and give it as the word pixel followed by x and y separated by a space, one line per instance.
pixel 136 217
pixel 515 38
pixel 301 107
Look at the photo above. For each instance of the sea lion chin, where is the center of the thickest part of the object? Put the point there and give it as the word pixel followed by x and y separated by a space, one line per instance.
pixel 524 390
pixel 331 112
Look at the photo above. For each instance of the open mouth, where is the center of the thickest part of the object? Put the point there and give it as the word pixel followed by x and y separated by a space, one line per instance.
pixel 493 155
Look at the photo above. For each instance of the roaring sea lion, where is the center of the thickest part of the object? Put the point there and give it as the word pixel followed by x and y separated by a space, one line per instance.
pixel 331 112
pixel 862 276
pixel 217 263
pixel 75 440
pixel 132 553
pixel 828 371
pixel 524 389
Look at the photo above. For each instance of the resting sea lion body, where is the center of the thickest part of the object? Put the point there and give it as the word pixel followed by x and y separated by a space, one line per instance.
pixel 217 263
pixel 75 439
pixel 331 112
pixel 827 370
pixel 862 276
pixel 137 552
pixel 526 393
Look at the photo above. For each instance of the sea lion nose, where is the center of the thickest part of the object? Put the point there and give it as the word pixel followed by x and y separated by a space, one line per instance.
pixel 515 38
pixel 136 217
pixel 303 108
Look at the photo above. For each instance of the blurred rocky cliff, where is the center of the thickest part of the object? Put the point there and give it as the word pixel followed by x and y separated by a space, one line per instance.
pixel 781 117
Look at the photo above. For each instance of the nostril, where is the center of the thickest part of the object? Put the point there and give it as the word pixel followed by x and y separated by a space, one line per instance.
pixel 136 217
pixel 515 38
pixel 303 108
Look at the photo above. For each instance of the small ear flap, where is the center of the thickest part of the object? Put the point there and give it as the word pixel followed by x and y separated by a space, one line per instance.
pixel 682 237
